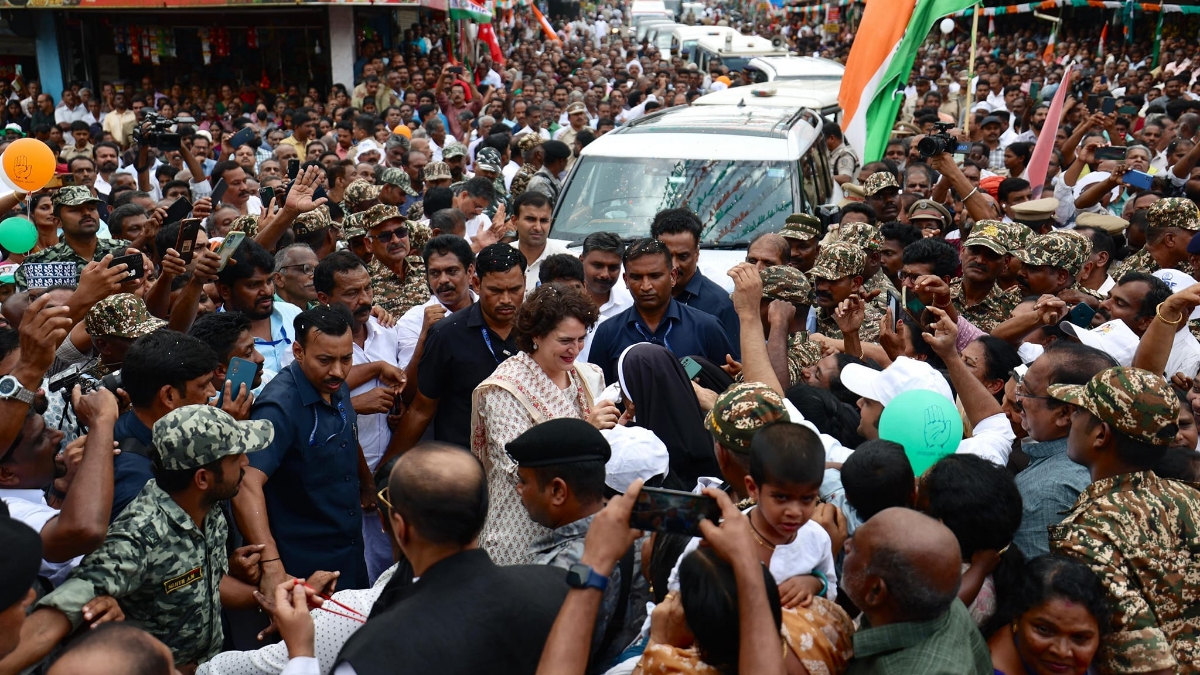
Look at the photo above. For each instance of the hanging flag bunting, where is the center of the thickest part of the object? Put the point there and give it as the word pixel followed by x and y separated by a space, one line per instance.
pixel 889 35
pixel 546 27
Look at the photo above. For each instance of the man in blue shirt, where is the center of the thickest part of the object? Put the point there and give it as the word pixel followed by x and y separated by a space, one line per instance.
pixel 656 317
pixel 246 285
pixel 301 495
pixel 680 229
pixel 163 370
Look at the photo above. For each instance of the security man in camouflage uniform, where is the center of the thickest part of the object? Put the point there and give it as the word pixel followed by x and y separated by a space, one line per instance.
pixel 984 258
pixel 359 196
pixel 787 284
pixel 530 146
pixel 1139 533
pixel 355 236
pixel 397 278
pixel 455 156
pixel 837 274
pixel 317 230
pixel 436 174
pixel 867 237
pixel 737 415
pixel 571 453
pixel 803 233
pixel 397 190
pixel 487 165
pixel 1173 223
pixel 883 195
pixel 75 208
pixel 164 558
pixel 247 224
pixel 1051 264
pixel 114 324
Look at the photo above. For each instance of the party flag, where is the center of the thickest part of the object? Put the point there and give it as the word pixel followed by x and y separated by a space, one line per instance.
pixel 1103 39
pixel 546 27
pixel 1039 161
pixel 881 59
pixel 1048 55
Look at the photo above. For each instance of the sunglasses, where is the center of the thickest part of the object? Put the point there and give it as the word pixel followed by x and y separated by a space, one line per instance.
pixel 386 237
pixel 383 497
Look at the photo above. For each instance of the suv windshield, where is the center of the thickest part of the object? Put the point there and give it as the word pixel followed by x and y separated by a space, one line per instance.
pixel 734 199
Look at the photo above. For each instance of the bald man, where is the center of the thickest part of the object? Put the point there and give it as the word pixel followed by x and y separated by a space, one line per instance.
pixel 902 569
pixel 115 648
pixel 768 250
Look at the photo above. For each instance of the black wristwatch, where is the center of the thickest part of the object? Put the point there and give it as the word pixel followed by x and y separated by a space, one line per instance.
pixel 582 576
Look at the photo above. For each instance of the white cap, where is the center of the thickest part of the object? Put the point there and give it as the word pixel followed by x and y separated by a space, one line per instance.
pixel 1091 179
pixel 1178 281
pixel 1113 338
pixel 636 453
pixel 364 146
pixel 903 375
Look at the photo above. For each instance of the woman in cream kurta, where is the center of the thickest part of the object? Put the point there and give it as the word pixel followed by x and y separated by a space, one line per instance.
pixel 542 382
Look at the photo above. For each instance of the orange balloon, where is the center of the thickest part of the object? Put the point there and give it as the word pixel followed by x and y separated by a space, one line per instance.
pixel 29 164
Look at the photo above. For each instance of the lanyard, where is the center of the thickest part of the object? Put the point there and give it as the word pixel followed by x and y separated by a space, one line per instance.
pixel 651 338
pixel 487 339
pixel 312 437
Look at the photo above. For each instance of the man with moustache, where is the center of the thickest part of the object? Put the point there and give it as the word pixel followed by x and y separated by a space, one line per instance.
pixel 245 285
pixel 601 260
pixel 303 495
pixel 837 274
pixel 106 155
pixel 375 382
pixel 449 266
pixel 977 295
pixel 237 192
pixel 462 350
pixel 883 195
pixel 76 209
pixel 397 278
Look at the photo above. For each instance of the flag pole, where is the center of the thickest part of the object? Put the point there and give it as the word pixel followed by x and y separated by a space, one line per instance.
pixel 971 69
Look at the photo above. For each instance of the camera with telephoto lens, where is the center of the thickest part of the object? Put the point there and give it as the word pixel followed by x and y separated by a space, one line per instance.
pixel 940 142
pixel 156 130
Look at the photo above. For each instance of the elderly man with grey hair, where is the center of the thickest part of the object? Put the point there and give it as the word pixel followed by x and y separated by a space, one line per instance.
pixel 294 266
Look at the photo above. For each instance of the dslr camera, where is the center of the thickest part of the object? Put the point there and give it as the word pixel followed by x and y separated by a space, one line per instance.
pixel 156 130
pixel 940 142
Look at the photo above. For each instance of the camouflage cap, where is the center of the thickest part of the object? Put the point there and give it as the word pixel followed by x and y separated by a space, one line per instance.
pixel 525 142
pixel 837 261
pixel 437 171
pixel 195 435
pixel 488 159
pixel 1178 212
pixel 801 226
pixel 880 180
pixel 782 282
pixel 453 150
pixel 378 215
pixel 247 224
pixel 863 235
pixel 927 209
pixel 1133 401
pixel 73 195
pixel 993 235
pixel 352 226
pixel 359 191
pixel 399 178
pixel 1062 249
pixel 313 221
pixel 741 411
pixel 123 315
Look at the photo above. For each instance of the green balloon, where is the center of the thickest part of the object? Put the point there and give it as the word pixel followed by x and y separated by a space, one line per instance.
pixel 926 423
pixel 18 235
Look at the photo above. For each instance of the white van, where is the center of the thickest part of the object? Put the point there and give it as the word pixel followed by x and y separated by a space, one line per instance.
pixel 742 169
pixel 818 95
pixel 782 68
pixel 648 8
pixel 640 31
pixel 734 51
pixel 684 38
pixel 659 35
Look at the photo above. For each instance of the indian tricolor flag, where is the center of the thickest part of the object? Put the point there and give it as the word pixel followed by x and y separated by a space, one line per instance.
pixel 547 29
pixel 880 61
pixel 478 11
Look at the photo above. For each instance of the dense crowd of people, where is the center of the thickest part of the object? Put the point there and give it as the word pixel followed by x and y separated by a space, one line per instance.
pixel 302 383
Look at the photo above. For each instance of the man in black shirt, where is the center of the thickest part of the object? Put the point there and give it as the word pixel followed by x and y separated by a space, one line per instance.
pixel 462 350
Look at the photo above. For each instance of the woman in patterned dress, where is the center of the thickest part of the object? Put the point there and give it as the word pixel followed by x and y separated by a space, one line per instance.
pixel 542 382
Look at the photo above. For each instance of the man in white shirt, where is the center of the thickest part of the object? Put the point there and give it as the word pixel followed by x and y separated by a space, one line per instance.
pixel 375 381
pixel 70 110
pixel 531 218
pixel 601 258
pixel 449 267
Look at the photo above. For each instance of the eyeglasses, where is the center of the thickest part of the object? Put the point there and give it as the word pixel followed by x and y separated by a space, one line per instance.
pixel 383 497
pixel 1019 406
pixel 305 268
pixel 386 237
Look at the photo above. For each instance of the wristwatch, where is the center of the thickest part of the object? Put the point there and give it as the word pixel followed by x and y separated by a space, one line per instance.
pixel 11 388
pixel 582 576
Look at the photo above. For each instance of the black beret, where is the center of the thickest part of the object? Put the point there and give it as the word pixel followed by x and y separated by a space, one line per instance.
pixel 556 150
pixel 560 441
pixel 22 559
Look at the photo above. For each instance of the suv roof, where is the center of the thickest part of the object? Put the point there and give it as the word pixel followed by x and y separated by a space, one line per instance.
pixel 744 120
pixel 799 67
pixel 741 44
